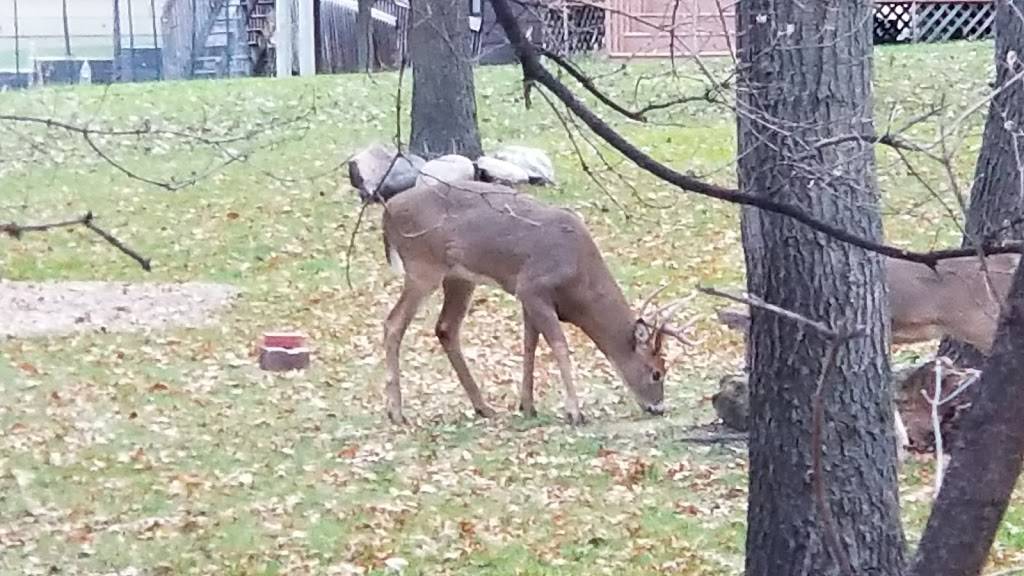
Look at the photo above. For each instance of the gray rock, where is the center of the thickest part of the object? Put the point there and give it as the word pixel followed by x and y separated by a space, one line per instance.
pixel 377 168
pixel 534 161
pixel 732 401
pixel 446 169
pixel 500 171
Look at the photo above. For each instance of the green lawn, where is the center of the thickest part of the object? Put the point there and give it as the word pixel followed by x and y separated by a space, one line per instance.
pixel 178 456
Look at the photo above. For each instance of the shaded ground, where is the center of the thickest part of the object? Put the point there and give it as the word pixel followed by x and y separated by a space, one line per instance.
pixel 52 308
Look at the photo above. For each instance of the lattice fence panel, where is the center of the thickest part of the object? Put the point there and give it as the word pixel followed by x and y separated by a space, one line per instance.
pixel 932 21
pixel 582 31
pixel 941 22
pixel 893 22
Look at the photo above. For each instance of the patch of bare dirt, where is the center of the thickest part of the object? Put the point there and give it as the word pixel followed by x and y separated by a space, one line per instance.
pixel 30 309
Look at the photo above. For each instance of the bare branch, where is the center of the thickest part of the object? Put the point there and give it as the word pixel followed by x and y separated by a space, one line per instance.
pixel 534 71
pixel 756 302
pixel 15 231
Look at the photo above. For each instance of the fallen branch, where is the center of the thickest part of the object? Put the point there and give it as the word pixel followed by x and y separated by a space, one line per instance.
pixel 15 230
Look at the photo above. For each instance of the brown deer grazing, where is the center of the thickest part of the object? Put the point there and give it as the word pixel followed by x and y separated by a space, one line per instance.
pixel 458 236
pixel 960 299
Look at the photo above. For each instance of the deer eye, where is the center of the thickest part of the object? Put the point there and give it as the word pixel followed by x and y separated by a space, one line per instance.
pixel 657 375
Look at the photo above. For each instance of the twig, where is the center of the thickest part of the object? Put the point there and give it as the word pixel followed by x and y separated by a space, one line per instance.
pixel 375 194
pixel 937 427
pixel 637 115
pixel 936 401
pixel 15 231
pixel 352 245
pixel 534 71
pixel 817 433
pixel 757 302
pixel 835 339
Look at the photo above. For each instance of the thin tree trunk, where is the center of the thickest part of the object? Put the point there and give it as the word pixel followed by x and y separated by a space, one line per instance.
pixel 67 31
pixel 364 36
pixel 443 96
pixel 806 76
pixel 997 198
pixel 118 71
pixel 318 40
pixel 987 458
pixel 987 453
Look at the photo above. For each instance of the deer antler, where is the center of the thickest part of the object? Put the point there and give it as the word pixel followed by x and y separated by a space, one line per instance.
pixel 649 299
pixel 679 333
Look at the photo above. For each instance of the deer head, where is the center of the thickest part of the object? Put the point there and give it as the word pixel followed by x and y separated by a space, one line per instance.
pixel 644 369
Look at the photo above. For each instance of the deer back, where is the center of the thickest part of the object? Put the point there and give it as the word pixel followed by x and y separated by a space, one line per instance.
pixel 491 233
pixel 958 298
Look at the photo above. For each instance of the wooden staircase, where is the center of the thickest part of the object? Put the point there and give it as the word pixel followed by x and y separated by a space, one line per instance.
pixel 224 51
pixel 259 26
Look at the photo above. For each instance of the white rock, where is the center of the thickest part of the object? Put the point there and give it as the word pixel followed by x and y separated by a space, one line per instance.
pixel 448 168
pixel 501 171
pixel 534 161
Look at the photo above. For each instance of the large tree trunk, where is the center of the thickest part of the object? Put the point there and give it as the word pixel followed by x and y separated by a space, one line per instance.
pixel 364 36
pixel 805 76
pixel 997 200
pixel 443 97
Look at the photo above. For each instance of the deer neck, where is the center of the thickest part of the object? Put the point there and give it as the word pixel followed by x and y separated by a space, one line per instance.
pixel 608 320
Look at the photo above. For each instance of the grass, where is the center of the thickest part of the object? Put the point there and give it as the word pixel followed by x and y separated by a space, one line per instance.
pixel 170 453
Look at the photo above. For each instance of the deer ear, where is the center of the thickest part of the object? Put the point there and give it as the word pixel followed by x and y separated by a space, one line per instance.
pixel 641 333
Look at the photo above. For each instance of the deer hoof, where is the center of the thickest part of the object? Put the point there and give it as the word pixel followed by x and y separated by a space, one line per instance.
pixel 575 418
pixel 528 411
pixel 485 411
pixel 397 418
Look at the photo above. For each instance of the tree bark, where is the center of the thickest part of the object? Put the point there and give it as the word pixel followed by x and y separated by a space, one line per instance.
pixel 443 97
pixel 805 75
pixel 980 480
pixel 364 36
pixel 996 210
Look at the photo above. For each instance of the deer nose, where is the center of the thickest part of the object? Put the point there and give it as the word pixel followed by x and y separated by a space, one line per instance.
pixel 656 409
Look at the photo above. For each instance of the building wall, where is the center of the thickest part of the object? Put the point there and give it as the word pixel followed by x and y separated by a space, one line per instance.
pixel 90 27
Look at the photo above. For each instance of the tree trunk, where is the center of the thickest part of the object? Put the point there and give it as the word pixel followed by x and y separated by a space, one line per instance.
pixel 67 31
pixel 364 36
pixel 443 97
pixel 987 453
pixel 805 76
pixel 118 71
pixel 997 199
pixel 987 462
pixel 318 40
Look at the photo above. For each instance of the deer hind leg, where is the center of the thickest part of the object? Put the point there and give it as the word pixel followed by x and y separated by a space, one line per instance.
pixel 457 294
pixel 544 319
pixel 530 339
pixel 413 294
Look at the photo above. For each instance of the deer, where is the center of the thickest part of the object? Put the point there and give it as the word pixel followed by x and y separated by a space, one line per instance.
pixel 960 298
pixel 458 235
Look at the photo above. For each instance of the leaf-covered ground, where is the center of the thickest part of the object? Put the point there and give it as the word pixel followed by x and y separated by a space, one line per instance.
pixel 171 453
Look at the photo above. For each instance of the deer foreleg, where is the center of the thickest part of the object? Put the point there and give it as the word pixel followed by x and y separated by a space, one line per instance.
pixel 457 294
pixel 544 319
pixel 530 339
pixel 398 320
